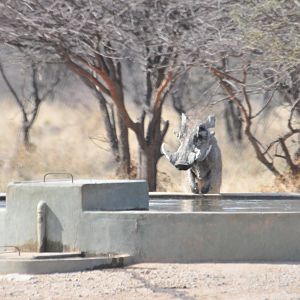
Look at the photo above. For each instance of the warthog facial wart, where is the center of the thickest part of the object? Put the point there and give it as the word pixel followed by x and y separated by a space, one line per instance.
pixel 199 155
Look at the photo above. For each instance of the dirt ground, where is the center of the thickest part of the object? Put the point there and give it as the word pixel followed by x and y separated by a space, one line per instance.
pixel 161 281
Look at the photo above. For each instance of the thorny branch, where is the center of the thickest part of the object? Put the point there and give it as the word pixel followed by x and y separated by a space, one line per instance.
pixel 245 106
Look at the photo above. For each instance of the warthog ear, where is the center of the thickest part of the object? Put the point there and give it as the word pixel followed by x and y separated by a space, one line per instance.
pixel 210 122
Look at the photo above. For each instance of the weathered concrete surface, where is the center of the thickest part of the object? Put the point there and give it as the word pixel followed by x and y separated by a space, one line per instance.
pixel 221 237
pixel 194 237
pixel 28 263
pixel 115 195
pixel 2 226
pixel 66 202
pixel 147 236
pixel 63 209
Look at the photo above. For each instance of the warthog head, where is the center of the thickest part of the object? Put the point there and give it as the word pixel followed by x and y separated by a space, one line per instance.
pixel 195 143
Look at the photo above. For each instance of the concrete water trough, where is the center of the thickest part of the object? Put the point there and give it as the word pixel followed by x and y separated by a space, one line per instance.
pixel 55 262
pixel 98 218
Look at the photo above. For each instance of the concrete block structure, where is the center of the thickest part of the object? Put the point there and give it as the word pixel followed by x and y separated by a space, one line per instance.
pixel 109 217
pixel 68 206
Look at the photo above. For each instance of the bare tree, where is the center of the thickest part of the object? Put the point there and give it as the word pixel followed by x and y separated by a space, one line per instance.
pixel 268 58
pixel 166 38
pixel 232 114
pixel 278 148
pixel 94 38
pixel 31 94
pixel 288 89
pixel 120 154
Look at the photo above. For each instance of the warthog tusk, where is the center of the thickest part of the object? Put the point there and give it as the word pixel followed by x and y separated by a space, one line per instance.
pixel 167 153
pixel 198 153
pixel 207 152
pixel 191 158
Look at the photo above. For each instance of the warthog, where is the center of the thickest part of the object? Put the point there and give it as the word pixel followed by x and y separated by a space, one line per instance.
pixel 199 155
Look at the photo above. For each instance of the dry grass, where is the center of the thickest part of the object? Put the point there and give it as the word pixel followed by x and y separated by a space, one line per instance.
pixel 62 137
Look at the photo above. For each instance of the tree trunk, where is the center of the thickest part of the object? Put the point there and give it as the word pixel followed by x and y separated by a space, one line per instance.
pixel 125 164
pixel 119 145
pixel 147 168
pixel 109 127
pixel 233 122
pixel 26 128
pixel 26 136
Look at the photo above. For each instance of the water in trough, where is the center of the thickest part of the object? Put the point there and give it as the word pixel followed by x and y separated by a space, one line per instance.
pixel 229 203
pixel 234 205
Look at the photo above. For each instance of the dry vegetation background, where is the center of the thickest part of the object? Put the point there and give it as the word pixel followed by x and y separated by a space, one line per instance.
pixel 66 136
pixel 105 43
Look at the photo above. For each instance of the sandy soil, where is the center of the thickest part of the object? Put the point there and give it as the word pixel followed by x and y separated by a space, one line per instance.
pixel 161 281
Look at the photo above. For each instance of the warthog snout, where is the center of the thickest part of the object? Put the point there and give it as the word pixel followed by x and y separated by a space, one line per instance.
pixel 182 167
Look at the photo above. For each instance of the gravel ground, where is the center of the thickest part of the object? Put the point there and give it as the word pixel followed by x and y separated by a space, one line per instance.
pixel 161 281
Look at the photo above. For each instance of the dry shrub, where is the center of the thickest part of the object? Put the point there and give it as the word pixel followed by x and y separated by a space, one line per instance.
pixel 290 184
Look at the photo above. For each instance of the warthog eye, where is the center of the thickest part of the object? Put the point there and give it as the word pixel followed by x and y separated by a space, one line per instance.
pixel 197 138
pixel 202 132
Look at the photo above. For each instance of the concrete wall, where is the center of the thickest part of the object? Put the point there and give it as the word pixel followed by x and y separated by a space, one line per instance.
pixel 63 211
pixel 149 236
pixel 221 237
pixel 2 226
pixel 66 202
pixel 194 237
